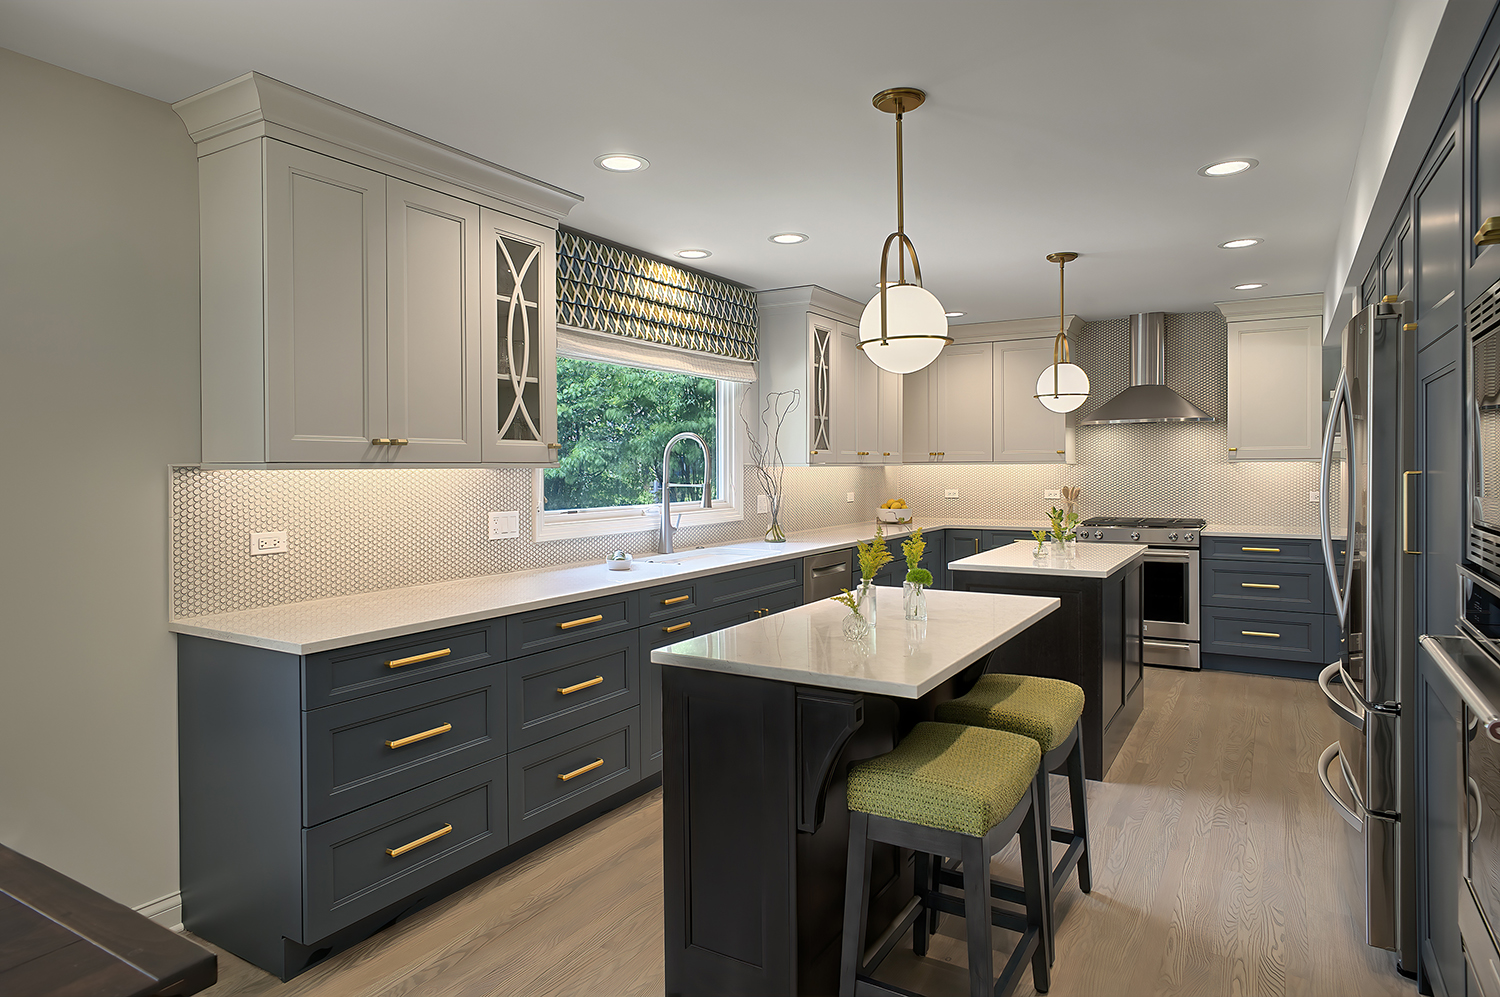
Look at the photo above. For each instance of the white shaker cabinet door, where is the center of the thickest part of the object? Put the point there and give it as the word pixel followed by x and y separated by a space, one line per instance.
pixel 1275 378
pixel 325 345
pixel 518 340
pixel 965 403
pixel 845 409
pixel 892 404
pixel 867 408
pixel 1026 432
pixel 917 417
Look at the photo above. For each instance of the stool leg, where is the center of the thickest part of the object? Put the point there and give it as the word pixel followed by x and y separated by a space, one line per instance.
pixel 1042 791
pixel 977 916
pixel 856 901
pixel 924 892
pixel 1078 790
pixel 1036 872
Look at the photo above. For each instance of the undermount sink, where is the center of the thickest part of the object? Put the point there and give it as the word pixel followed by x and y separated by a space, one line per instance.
pixel 703 558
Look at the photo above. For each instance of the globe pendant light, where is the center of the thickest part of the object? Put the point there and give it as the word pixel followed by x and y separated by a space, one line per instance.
pixel 1063 386
pixel 903 328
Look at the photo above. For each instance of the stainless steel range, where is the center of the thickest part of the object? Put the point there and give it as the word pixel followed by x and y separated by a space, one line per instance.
pixel 1169 581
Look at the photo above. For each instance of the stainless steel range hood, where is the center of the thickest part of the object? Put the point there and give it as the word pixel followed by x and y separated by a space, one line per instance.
pixel 1148 399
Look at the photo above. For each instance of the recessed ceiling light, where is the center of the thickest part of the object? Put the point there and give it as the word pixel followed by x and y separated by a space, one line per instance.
pixel 694 254
pixel 1228 168
pixel 621 162
pixel 788 238
pixel 1248 287
pixel 1239 243
pixel 955 314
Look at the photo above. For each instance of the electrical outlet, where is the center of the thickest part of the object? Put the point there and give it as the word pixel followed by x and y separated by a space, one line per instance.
pixel 950 493
pixel 1053 493
pixel 268 543
pixel 1312 497
pixel 848 496
pixel 763 503
pixel 505 525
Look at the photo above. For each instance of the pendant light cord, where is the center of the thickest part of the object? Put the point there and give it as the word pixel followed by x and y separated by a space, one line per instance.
pixel 900 201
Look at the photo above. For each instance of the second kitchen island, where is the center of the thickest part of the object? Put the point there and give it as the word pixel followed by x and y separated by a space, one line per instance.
pixel 1093 641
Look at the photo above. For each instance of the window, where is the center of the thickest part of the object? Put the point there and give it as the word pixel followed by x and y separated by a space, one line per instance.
pixel 613 421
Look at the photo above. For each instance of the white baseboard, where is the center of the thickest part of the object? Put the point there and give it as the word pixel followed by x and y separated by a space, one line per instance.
pixel 165 911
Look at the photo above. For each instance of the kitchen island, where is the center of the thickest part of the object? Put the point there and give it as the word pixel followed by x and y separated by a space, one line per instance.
pixel 760 723
pixel 1094 640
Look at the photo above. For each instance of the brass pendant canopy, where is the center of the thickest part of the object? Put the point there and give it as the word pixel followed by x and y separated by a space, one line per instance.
pixel 1064 386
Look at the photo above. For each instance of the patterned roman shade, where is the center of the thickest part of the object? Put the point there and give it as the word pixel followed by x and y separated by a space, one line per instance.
pixel 603 288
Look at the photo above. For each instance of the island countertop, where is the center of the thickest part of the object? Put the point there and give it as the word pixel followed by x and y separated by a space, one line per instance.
pixel 807 646
pixel 1091 561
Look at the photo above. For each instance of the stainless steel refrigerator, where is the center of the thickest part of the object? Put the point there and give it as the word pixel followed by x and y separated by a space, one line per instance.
pixel 1371 686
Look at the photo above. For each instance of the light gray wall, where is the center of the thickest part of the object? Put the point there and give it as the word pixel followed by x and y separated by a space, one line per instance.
pixel 98 393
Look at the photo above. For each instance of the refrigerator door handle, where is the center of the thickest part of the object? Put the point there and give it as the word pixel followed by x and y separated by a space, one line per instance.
pixel 1355 820
pixel 1350 717
pixel 1325 473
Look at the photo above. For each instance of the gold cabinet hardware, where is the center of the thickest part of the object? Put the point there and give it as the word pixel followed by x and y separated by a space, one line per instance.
pixel 675 600
pixel 568 690
pixel 1410 327
pixel 1406 477
pixel 554 446
pixel 1257 585
pixel 932 453
pixel 381 441
pixel 1489 232
pixel 1258 633
pixel 815 453
pixel 414 738
pixel 942 453
pixel 676 627
pixel 1062 451
pixel 396 853
pixel 861 453
pixel 419 658
pixel 578 623
pixel 1390 299
pixel 886 454
pixel 1234 449
pixel 399 442
pixel 565 776
pixel 1262 550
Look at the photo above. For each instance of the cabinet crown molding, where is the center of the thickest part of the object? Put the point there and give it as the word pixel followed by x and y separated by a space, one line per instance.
pixel 1285 306
pixel 814 298
pixel 254 105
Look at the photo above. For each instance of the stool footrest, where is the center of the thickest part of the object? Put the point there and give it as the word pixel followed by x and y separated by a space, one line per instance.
pixel 999 917
pixel 1065 865
pixel 999 888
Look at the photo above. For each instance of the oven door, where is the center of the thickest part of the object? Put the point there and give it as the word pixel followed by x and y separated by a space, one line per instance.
pixel 1482 868
pixel 1169 593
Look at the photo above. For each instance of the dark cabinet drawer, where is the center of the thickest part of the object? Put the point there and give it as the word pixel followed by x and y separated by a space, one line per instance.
pixel 1296 587
pixel 558 690
pixel 350 869
pixel 670 600
pixel 751 583
pixel 753 609
pixel 364 751
pixel 558 626
pixel 1287 636
pixel 350 672
pixel 1301 550
pixel 555 778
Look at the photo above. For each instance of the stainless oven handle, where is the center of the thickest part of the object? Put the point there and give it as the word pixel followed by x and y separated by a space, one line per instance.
pixel 1172 555
pixel 1477 701
pixel 1324 760
pixel 1325 682
pixel 1477 810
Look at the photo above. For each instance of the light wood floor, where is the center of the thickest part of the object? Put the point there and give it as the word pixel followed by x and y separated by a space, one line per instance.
pixel 1219 869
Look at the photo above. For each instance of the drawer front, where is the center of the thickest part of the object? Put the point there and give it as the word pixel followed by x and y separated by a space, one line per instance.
pixel 1287 636
pixel 558 777
pixel 670 600
pixel 542 629
pixel 1333 639
pixel 364 751
pixel 350 672
pixel 1297 587
pixel 751 583
pixel 558 690
pixel 1302 551
pixel 350 872
pixel 752 609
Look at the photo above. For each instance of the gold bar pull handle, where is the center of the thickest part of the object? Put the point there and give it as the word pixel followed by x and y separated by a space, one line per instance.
pixel 1406 502
pixel 676 627
pixel 418 658
pixel 675 600
pixel 568 690
pixel 578 623
pixel 381 441
pixel 1262 550
pixel 1258 633
pixel 565 776
pixel 396 853
pixel 414 738
pixel 1489 232
pixel 1257 585
pixel 399 442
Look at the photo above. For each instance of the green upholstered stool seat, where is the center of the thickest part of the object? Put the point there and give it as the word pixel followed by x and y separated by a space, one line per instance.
pixel 947 776
pixel 1045 710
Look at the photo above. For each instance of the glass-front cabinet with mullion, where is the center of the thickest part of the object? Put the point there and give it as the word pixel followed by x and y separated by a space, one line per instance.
pixel 519 340
pixel 820 390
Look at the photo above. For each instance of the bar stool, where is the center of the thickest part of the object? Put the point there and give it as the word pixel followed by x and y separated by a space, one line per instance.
pixel 948 789
pixel 1049 712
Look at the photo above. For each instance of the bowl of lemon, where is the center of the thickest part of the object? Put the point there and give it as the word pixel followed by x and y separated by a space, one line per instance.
pixel 894 511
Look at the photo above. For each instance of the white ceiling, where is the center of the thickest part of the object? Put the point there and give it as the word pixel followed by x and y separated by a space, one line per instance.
pixel 1050 124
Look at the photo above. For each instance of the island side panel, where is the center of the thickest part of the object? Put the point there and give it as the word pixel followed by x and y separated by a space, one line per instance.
pixel 1118 727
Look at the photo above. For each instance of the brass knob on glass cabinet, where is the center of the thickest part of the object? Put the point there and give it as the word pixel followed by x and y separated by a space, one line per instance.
pixel 554 446
pixel 815 453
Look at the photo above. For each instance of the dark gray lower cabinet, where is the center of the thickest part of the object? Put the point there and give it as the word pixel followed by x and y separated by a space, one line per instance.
pixel 1263 606
pixel 561 775
pixel 1440 828
pixel 558 690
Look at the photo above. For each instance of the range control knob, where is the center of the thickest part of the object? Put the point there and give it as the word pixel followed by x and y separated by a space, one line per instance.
pixel 1172 537
pixel 1135 536
pixel 1187 537
pixel 1098 534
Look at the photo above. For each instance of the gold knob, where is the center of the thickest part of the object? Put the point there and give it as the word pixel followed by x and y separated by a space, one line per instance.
pixel 554 446
pixel 886 454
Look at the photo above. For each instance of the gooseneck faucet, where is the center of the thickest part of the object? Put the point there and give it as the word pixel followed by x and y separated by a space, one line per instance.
pixel 667 486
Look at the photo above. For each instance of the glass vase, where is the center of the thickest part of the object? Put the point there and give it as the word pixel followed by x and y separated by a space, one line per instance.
pixel 856 627
pixel 914 600
pixel 866 600
pixel 773 532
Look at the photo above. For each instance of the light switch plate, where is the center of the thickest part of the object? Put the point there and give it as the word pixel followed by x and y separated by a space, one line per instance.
pixel 848 496
pixel 1053 493
pixel 950 493
pixel 268 543
pixel 505 525
pixel 763 503
pixel 1312 497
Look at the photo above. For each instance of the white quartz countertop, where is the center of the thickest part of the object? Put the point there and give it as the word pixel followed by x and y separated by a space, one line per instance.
pixel 806 645
pixel 325 624
pixel 1091 560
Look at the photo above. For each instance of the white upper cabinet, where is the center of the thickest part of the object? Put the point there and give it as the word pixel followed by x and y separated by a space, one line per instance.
pixel 349 291
pixel 1026 432
pixel 962 400
pixel 519 340
pixel 918 438
pixel 877 411
pixel 1275 378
